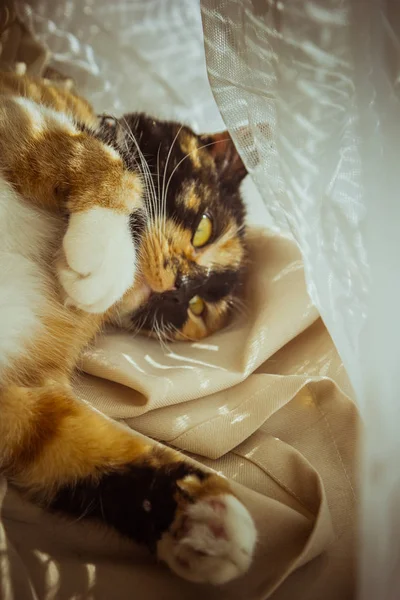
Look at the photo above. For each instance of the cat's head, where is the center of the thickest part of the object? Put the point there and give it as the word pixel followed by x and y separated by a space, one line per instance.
pixel 191 238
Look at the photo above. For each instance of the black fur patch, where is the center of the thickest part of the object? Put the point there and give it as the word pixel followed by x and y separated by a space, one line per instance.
pixel 158 143
pixel 137 501
pixel 137 224
pixel 219 284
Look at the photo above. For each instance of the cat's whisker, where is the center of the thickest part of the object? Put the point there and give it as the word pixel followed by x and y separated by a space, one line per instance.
pixel 160 337
pixel 84 512
pixel 180 333
pixel 139 327
pixel 168 336
pixel 150 206
pixel 169 331
pixel 164 335
pixel 164 194
pixel 158 184
pixel 149 184
pixel 157 330
pixel 138 165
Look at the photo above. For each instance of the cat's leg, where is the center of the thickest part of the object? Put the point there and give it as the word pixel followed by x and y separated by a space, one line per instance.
pixel 55 166
pixel 75 461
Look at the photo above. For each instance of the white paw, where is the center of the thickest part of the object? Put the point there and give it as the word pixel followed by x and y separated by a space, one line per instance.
pixel 213 541
pixel 99 259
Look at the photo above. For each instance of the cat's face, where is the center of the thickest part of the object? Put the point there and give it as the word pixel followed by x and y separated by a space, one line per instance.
pixel 191 238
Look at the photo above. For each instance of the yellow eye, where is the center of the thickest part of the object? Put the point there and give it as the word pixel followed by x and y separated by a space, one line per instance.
pixel 203 232
pixel 196 305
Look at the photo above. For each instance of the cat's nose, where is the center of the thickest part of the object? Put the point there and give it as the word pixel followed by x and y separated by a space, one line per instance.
pixel 170 298
pixel 177 293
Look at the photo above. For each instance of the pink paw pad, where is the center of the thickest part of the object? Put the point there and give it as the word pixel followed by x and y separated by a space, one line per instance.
pixel 213 542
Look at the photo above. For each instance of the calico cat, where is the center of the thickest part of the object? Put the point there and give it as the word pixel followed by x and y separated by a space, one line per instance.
pixel 84 242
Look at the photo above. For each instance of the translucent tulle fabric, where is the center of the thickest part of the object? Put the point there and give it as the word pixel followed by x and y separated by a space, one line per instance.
pixel 309 90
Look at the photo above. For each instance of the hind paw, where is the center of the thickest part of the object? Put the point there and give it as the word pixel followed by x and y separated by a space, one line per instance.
pixel 212 540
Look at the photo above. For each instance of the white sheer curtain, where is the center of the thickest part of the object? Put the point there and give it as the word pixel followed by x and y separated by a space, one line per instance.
pixel 310 93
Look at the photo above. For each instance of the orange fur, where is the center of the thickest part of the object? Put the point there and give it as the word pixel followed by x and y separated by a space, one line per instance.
pixel 55 95
pixel 48 439
pixel 50 161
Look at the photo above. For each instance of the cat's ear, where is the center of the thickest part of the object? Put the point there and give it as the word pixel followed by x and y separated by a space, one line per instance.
pixel 226 157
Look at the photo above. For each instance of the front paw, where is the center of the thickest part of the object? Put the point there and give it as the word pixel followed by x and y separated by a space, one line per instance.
pixel 212 540
pixel 99 261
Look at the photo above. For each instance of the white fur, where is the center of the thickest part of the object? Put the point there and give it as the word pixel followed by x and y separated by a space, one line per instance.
pixel 112 153
pixel 26 236
pixel 98 267
pixel 100 261
pixel 41 117
pixel 201 556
